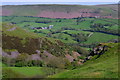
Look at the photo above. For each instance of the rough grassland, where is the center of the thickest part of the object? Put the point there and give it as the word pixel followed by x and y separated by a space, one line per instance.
pixel 104 67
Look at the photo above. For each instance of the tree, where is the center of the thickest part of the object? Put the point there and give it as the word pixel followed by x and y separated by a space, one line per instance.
pixel 78 20
pixel 21 60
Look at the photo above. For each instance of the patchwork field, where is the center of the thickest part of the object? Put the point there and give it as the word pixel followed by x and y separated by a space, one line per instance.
pixel 63 29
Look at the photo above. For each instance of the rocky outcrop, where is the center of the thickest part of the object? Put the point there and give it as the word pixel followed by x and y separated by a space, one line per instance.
pixel 98 50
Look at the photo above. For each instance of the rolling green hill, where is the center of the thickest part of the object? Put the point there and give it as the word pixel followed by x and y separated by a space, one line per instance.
pixel 19 45
pixel 106 66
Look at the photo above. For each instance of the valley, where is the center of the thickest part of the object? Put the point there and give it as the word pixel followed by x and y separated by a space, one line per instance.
pixel 59 41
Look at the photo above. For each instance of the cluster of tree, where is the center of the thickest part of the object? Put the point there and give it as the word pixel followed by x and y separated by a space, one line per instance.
pixel 101 28
pixel 59 20
pixel 58 31
pixel 21 62
pixel 43 21
pixel 91 45
pixel 80 50
pixel 79 19
pixel 80 37
pixel 67 28
pixel 100 25
pixel 17 19
pixel 61 63
pixel 54 62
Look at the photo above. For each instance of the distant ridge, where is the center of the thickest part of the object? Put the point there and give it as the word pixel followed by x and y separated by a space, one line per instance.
pixel 61 11
pixel 65 3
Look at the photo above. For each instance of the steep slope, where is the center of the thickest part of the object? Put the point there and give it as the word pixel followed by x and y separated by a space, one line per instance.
pixel 106 66
pixel 20 47
pixel 61 11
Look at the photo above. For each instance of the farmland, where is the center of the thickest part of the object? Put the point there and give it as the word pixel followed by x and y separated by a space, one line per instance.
pixel 63 28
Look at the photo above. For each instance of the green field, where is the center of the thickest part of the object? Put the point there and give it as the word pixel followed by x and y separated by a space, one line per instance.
pixel 61 26
pixel 28 72
pixel 100 37
pixel 64 38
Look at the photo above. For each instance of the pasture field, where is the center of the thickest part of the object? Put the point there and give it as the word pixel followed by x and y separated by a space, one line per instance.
pixel 64 38
pixel 61 26
pixel 28 72
pixel 100 37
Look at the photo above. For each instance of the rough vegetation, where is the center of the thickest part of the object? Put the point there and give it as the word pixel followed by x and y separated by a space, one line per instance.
pixel 106 66
pixel 33 50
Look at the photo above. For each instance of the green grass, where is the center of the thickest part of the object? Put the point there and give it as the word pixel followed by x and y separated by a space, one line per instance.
pixel 22 33
pixel 32 24
pixel 62 37
pixel 84 25
pixel 27 71
pixel 101 21
pixel 112 20
pixel 100 37
pixel 46 31
pixel 22 72
pixel 114 27
pixel 106 66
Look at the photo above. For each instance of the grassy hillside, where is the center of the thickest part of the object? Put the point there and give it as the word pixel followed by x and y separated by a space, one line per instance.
pixel 28 72
pixel 12 31
pixel 26 43
pixel 22 48
pixel 100 37
pixel 24 71
pixel 106 66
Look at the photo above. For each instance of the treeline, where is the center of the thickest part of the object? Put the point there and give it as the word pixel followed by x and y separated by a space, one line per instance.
pixel 98 27
pixel 21 62
pixel 21 19
pixel 79 37
pixel 54 62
